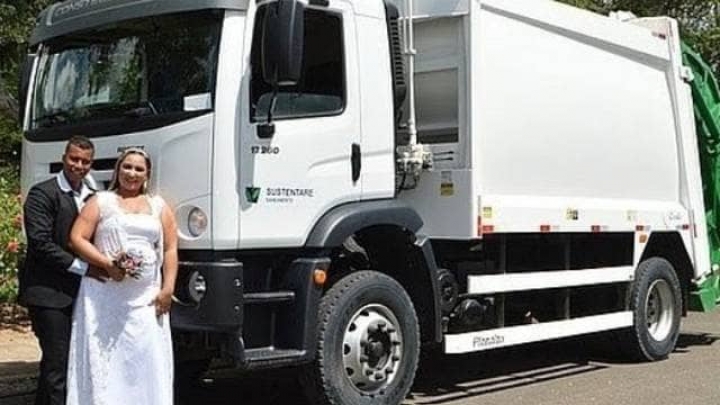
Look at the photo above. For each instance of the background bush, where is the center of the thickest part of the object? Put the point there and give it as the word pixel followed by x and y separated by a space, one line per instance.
pixel 11 241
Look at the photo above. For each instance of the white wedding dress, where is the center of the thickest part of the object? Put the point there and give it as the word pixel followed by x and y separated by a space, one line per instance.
pixel 120 351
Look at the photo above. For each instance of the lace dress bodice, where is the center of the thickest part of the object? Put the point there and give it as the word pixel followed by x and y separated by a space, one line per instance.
pixel 138 234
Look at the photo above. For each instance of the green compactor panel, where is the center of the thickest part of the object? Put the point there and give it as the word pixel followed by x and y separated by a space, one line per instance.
pixel 706 100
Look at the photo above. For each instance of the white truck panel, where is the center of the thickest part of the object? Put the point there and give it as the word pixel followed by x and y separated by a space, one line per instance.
pixel 224 218
pixel 445 201
pixel 691 189
pixel 561 117
pixel 434 8
pixel 376 100
pixel 581 25
pixel 533 165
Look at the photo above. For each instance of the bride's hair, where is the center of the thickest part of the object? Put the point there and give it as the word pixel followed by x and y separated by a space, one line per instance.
pixel 115 184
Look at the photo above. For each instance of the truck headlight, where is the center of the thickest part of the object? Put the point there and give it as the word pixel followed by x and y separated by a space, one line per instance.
pixel 197 222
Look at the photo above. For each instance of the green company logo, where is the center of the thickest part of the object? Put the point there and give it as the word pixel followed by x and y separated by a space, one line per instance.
pixel 252 194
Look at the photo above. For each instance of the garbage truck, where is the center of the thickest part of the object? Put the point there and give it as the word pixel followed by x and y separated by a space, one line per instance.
pixel 356 180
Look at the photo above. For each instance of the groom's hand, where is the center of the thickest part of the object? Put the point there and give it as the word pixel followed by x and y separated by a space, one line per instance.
pixel 97 273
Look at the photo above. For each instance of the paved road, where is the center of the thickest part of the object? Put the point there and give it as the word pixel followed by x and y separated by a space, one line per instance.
pixel 577 372
pixel 581 372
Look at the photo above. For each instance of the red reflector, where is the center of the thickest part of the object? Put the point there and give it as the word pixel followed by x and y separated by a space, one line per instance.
pixel 596 228
pixel 488 229
pixel 640 228
pixel 544 228
pixel 685 227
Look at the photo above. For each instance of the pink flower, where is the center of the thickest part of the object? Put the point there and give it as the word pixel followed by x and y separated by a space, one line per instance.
pixel 13 246
pixel 131 262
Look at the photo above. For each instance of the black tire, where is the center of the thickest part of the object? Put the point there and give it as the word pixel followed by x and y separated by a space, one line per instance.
pixel 656 301
pixel 359 360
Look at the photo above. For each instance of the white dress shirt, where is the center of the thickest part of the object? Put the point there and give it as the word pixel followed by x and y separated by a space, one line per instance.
pixel 78 266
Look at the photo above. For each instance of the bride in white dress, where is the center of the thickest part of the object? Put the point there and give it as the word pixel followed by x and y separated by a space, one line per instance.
pixel 120 349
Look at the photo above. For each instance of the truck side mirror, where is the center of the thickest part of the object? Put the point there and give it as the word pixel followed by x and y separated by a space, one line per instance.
pixel 283 34
pixel 25 72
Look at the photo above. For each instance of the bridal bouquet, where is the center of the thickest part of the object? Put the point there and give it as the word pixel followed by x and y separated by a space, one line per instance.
pixel 129 260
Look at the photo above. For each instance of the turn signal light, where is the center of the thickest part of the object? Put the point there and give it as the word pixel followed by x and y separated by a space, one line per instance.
pixel 319 277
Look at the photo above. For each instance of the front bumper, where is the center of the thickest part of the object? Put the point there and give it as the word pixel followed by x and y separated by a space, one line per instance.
pixel 251 324
pixel 220 309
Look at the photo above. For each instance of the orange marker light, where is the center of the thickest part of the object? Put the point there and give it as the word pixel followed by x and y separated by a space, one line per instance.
pixel 319 277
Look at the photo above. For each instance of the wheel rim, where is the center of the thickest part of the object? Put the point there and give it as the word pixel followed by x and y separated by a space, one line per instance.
pixel 659 310
pixel 372 349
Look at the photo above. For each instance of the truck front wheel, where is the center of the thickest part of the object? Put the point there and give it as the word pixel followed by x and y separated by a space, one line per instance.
pixel 656 302
pixel 368 343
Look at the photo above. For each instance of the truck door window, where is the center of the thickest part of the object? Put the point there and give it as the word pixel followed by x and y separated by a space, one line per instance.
pixel 321 90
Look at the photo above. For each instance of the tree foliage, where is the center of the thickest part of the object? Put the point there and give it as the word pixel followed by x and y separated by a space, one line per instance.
pixel 17 18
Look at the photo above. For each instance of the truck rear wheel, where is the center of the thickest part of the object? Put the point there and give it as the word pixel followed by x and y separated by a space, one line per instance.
pixel 368 343
pixel 656 302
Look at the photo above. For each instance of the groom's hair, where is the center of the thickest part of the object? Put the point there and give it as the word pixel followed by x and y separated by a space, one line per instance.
pixel 80 142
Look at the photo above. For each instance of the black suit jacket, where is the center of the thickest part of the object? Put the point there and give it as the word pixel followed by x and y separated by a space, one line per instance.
pixel 49 214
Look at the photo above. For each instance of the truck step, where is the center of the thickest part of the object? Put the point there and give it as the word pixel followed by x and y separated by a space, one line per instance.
pixel 268 356
pixel 275 297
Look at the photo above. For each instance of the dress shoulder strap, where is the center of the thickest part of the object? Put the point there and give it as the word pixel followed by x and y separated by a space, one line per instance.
pixel 107 203
pixel 156 204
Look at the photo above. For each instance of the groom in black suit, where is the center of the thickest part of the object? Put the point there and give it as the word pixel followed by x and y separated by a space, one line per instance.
pixel 50 279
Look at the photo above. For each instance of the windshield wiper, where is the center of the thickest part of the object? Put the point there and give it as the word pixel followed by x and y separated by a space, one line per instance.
pixel 143 109
pixel 56 117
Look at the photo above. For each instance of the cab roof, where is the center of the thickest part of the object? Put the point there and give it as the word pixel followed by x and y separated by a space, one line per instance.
pixel 77 15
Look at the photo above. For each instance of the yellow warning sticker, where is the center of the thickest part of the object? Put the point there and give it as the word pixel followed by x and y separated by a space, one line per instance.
pixel 571 214
pixel 487 212
pixel 447 185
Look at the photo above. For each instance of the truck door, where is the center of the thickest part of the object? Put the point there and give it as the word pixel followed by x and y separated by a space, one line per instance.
pixel 305 168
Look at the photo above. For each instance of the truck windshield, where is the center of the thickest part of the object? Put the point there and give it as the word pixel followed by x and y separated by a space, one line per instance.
pixel 129 71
